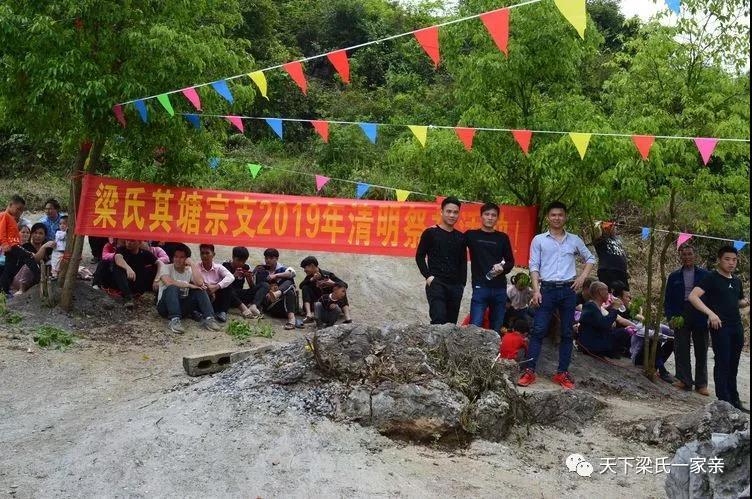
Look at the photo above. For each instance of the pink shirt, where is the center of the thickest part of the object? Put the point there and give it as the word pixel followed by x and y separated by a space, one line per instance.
pixel 108 252
pixel 160 254
pixel 218 274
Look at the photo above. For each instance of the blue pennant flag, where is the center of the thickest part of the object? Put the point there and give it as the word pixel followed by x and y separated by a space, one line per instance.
pixel 276 125
pixel 361 190
pixel 213 163
pixel 194 120
pixel 371 131
pixel 141 107
pixel 645 233
pixel 223 90
pixel 739 245
pixel 674 6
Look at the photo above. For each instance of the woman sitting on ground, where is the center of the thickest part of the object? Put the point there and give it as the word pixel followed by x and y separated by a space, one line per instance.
pixel 597 335
pixel 41 249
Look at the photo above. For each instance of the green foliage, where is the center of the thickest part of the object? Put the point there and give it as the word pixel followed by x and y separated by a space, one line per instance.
pixel 242 330
pixel 53 337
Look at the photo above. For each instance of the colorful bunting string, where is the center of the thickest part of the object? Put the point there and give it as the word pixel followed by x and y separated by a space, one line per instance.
pixel 192 96
pixel 683 237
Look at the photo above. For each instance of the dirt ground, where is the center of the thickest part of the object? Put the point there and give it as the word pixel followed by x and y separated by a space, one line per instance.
pixel 116 416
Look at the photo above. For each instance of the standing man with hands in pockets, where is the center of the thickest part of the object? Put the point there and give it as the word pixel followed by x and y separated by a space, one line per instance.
pixel 553 268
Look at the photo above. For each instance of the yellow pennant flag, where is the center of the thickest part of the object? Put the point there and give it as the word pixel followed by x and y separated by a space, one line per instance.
pixel 574 11
pixel 421 133
pixel 581 142
pixel 259 78
pixel 402 195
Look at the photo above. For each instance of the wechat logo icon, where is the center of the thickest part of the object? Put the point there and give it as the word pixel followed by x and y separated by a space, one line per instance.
pixel 577 463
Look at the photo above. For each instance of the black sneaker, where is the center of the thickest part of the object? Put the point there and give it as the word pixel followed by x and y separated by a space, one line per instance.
pixel 196 316
pixel 666 376
pixel 221 317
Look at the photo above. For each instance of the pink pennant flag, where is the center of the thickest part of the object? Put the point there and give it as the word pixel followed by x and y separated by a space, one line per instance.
pixel 706 148
pixel 643 143
pixel 429 40
pixel 523 138
pixel 683 238
pixel 237 121
pixel 466 135
pixel 321 181
pixel 497 24
pixel 118 110
pixel 295 70
pixel 191 94
pixel 322 128
pixel 340 63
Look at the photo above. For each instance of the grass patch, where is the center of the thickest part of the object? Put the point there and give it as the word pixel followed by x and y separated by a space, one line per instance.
pixel 7 315
pixel 241 330
pixel 53 338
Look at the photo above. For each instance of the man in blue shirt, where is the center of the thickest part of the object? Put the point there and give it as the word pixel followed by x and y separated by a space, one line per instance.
pixel 51 219
pixel 553 268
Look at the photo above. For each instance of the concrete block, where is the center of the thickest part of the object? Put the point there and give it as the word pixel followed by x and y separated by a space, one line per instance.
pixel 214 362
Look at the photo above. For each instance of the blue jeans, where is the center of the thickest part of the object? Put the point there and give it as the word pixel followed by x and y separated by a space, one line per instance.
pixel 727 348
pixel 483 298
pixel 563 299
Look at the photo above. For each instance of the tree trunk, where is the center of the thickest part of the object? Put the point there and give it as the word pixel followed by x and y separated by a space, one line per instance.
pixel 647 368
pixel 66 297
pixel 78 167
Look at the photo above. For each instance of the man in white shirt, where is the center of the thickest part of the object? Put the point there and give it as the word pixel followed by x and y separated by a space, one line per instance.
pixel 181 292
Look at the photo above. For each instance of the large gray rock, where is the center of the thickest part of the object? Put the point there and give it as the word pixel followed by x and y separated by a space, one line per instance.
pixel 563 409
pixel 733 450
pixel 491 417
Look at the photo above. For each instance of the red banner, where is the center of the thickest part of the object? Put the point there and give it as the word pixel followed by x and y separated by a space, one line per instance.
pixel 135 210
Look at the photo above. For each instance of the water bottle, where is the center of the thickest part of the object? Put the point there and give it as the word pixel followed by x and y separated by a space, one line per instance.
pixel 491 275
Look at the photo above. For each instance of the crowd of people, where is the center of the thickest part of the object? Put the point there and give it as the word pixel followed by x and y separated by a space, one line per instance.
pixel 596 316
pixel 599 316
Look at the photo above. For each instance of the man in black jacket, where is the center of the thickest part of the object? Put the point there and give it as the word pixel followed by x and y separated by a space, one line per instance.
pixel 442 259
pixel 316 283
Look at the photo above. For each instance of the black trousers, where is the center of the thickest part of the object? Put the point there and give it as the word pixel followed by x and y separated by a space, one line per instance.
pixel 15 258
pixel 285 305
pixel 609 277
pixel 698 335
pixel 444 301
pixel 253 295
pixel 142 284
pixel 222 300
pixel 311 294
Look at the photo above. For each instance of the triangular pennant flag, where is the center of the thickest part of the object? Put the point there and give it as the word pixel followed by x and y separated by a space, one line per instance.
pixel 237 121
pixel 429 40
pixel 739 245
pixel 574 11
pixel 643 143
pixel 497 24
pixel 645 233
pixel 295 70
pixel 581 142
pixel 222 89
pixel 191 94
pixel 402 195
pixel 254 169
pixel 420 132
pixel 321 181
pixel 683 238
pixel 118 110
pixel 361 190
pixel 276 125
pixel 322 128
pixel 213 163
pixel 259 78
pixel 706 148
pixel 340 63
pixel 142 111
pixel 164 99
pixel 466 135
pixel 194 120
pixel 371 131
pixel 523 138
pixel 674 6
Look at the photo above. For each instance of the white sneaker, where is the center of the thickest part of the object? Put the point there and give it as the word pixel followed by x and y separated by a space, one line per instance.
pixel 211 324
pixel 176 326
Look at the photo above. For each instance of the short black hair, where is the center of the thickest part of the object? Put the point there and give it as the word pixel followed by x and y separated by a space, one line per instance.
pixel 208 246
pixel 16 199
pixel 37 226
pixel 54 202
pixel 723 250
pixel 556 205
pixel 63 217
pixel 271 253
pixel 182 247
pixel 340 285
pixel 451 200
pixel 521 326
pixel 241 253
pixel 618 288
pixel 309 260
pixel 686 246
pixel 490 206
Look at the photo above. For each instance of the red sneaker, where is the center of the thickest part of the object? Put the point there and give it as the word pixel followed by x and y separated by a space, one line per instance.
pixel 527 378
pixel 565 380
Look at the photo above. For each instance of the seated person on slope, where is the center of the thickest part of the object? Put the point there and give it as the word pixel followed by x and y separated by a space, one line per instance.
pixel 280 300
pixel 316 283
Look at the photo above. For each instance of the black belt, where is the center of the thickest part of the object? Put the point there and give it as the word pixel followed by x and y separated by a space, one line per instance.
pixel 556 284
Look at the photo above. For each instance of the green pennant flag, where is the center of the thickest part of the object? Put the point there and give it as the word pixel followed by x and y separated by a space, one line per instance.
pixel 164 99
pixel 254 169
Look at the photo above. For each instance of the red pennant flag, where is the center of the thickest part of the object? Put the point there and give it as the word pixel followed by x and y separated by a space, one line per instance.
pixel 523 138
pixel 236 121
pixel 497 24
pixel 118 110
pixel 643 143
pixel 295 70
pixel 191 94
pixel 429 40
pixel 466 135
pixel 322 128
pixel 340 63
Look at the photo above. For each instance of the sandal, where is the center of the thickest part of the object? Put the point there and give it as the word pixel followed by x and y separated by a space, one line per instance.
pixel 289 326
pixel 348 321
pixel 309 320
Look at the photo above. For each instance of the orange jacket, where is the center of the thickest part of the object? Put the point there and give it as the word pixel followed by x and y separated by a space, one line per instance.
pixel 9 235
